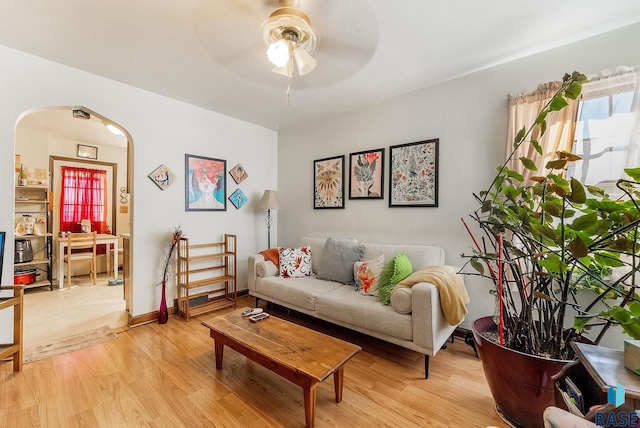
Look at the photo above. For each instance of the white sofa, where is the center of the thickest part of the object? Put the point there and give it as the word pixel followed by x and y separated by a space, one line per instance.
pixel 424 329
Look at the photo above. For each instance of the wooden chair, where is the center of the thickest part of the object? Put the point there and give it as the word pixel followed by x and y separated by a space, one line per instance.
pixel 77 242
pixel 110 267
pixel 14 349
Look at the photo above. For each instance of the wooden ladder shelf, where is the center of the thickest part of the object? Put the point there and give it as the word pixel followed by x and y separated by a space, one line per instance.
pixel 206 276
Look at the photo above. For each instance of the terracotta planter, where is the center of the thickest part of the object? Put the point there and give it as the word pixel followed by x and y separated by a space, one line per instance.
pixel 521 384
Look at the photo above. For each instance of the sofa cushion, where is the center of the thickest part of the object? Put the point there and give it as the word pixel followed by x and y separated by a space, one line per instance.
pixel 317 247
pixel 295 292
pixel 295 262
pixel 338 258
pixel 401 300
pixel 266 268
pixel 395 271
pixel 351 309
pixel 367 275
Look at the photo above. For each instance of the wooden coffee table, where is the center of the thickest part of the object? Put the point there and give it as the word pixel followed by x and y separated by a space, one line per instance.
pixel 298 354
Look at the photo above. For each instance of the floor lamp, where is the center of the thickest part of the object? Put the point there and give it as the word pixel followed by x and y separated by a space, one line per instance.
pixel 269 202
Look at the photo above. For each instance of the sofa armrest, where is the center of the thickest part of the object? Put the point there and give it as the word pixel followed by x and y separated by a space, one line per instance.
pixel 430 328
pixel 252 271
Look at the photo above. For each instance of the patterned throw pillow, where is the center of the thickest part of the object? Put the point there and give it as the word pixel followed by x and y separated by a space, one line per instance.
pixel 295 262
pixel 367 275
pixel 395 271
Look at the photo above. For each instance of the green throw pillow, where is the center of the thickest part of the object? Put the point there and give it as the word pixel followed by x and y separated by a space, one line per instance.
pixel 395 271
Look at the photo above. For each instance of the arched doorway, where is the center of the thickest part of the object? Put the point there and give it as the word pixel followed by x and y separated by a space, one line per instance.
pixel 47 138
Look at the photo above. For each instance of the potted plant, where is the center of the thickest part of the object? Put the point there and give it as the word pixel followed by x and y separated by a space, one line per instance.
pixel 562 257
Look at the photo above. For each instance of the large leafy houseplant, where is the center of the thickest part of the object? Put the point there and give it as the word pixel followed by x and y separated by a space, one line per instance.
pixel 550 244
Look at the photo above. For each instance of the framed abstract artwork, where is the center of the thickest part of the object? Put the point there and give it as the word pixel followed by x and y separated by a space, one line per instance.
pixel 328 183
pixel 413 174
pixel 366 174
pixel 205 184
pixel 238 198
pixel 238 173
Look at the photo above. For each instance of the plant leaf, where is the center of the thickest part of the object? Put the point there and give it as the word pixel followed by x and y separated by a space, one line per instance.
pixel 578 195
pixel 633 173
pixel 537 146
pixel 580 322
pixel 553 207
pixel 573 91
pixel 528 163
pixel 585 221
pixel 520 136
pixel 558 103
pixel 578 248
pixel 556 164
pixel 477 265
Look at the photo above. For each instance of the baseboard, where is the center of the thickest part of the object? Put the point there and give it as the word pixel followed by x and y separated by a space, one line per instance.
pixel 153 316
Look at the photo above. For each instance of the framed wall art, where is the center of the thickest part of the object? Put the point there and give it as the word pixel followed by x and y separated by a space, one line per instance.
pixel 87 152
pixel 366 174
pixel 205 184
pixel 238 173
pixel 162 177
pixel 238 198
pixel 413 174
pixel 328 183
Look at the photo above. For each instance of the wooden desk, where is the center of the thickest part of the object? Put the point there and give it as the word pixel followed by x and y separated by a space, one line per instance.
pixel 101 239
pixel 298 354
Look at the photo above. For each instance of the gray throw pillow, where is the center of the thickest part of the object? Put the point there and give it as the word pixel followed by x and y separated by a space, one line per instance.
pixel 338 258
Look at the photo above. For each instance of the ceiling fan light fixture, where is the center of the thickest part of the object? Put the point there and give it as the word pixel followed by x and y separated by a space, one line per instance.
pixel 288 30
pixel 278 53
pixel 305 62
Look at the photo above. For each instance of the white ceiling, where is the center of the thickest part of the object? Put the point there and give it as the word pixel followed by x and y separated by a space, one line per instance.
pixel 210 53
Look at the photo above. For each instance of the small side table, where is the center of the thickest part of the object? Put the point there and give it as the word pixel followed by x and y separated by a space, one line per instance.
pixel 596 369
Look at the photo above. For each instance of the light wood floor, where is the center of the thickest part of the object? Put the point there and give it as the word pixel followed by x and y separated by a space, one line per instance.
pixel 51 315
pixel 164 376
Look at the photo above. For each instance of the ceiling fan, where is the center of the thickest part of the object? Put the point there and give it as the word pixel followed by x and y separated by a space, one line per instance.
pixel 291 38
pixel 339 37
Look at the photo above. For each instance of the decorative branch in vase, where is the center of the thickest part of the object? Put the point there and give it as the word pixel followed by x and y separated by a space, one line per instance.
pixel 163 313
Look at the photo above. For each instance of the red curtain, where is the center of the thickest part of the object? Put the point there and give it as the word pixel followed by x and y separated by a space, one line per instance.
pixel 83 195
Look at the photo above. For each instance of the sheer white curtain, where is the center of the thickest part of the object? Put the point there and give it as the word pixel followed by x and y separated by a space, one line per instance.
pixel 523 111
pixel 608 128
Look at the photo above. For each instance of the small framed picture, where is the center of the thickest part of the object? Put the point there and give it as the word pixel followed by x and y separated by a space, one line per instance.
pixel 238 173
pixel 238 198
pixel 366 174
pixel 413 174
pixel 328 183
pixel 206 187
pixel 87 152
pixel 162 177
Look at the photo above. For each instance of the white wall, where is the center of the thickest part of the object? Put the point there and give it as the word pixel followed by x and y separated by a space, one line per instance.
pixel 163 130
pixel 468 115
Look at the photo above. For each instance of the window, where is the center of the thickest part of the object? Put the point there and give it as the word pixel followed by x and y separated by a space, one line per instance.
pixel 607 130
pixel 83 196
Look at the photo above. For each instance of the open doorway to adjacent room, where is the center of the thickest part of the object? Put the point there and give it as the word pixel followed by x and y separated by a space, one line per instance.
pixel 49 140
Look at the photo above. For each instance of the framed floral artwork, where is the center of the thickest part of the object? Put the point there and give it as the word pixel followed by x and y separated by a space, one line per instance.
pixel 238 198
pixel 328 183
pixel 205 184
pixel 238 173
pixel 366 174
pixel 413 174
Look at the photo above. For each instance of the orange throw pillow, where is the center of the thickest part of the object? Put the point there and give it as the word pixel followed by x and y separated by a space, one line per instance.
pixel 272 255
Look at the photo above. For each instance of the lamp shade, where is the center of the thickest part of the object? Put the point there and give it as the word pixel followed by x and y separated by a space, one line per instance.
pixel 269 201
